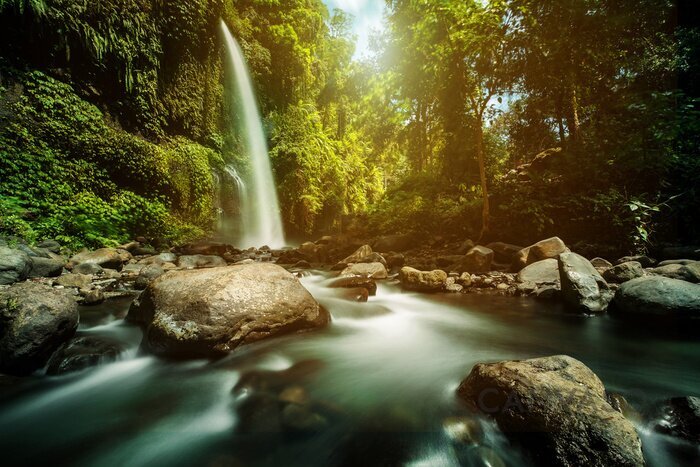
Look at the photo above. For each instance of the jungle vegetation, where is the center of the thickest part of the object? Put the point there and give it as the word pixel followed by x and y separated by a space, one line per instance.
pixel 112 118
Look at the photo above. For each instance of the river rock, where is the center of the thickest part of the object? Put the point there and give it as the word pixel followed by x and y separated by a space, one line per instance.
pixel 148 275
pixel 601 265
pixel 206 248
pixel 676 261
pixel 52 245
pixel 540 272
pixel 209 312
pixel 90 269
pixel 81 353
pixel 504 252
pixel 35 321
pixel 624 272
pixel 77 281
pixel 465 247
pixel 422 281
pixel 582 286
pixel 645 261
pixel 45 267
pixel 371 270
pixel 110 258
pixel 160 259
pixel 556 409
pixel 93 297
pixel 680 417
pixel 658 295
pixel 353 282
pixel 477 260
pixel 15 265
pixel 686 272
pixel 550 248
pixel 200 261
pixel 359 254
pixel 394 260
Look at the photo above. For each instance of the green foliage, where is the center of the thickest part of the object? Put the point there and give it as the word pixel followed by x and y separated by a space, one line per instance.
pixel 73 177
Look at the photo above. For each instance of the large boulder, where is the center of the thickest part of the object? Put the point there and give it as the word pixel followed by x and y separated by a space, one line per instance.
pixel 82 353
pixel 109 258
pixel 541 272
pixel 209 312
pixel 657 295
pixel 644 260
pixel 680 417
pixel 477 260
pixel 422 281
pixel 359 255
pixel 686 272
pixel 35 320
pixel 77 281
pixel 556 409
pixel 504 252
pixel 206 248
pixel 355 282
pixel 200 261
pixel 371 270
pixel 582 286
pixel 15 265
pixel 624 272
pixel 46 267
pixel 544 249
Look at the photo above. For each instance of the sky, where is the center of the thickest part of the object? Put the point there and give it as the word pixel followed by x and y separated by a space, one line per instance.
pixel 368 16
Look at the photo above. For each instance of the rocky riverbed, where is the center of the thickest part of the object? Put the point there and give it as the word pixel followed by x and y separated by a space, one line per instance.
pixel 211 300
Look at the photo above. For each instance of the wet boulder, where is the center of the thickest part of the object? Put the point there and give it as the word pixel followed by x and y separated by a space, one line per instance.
pixel 689 272
pixel 35 320
pixel 77 281
pixel 504 252
pixel 206 248
pixel 540 272
pixel 82 353
pixel 658 296
pixel 354 282
pixel 550 248
pixel 200 261
pixel 422 281
pixel 477 260
pixel 601 265
pixel 46 267
pixel 90 269
pixel 582 286
pixel 624 272
pixel 645 261
pixel 556 409
pixel 148 275
pixel 52 245
pixel 359 255
pixel 15 265
pixel 109 258
pixel 160 259
pixel 371 270
pixel 679 417
pixel 209 312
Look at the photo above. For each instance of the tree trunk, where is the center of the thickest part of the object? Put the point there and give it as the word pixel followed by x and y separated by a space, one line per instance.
pixel 485 214
pixel 572 120
pixel 560 120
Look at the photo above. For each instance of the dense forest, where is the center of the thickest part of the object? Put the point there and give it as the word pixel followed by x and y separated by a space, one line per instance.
pixel 509 120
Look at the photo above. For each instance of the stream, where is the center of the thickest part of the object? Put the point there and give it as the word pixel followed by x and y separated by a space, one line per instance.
pixel 384 372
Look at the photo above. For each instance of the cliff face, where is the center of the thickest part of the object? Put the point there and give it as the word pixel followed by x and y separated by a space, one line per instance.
pixel 111 118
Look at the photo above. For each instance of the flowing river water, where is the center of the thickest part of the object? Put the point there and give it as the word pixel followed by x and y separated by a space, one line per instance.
pixel 384 374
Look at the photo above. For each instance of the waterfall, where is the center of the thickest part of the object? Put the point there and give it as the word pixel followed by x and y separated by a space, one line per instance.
pixel 260 220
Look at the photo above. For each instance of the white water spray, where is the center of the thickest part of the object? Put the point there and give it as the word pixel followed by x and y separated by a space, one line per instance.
pixel 261 223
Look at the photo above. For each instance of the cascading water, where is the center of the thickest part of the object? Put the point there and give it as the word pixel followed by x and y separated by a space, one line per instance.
pixel 260 220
